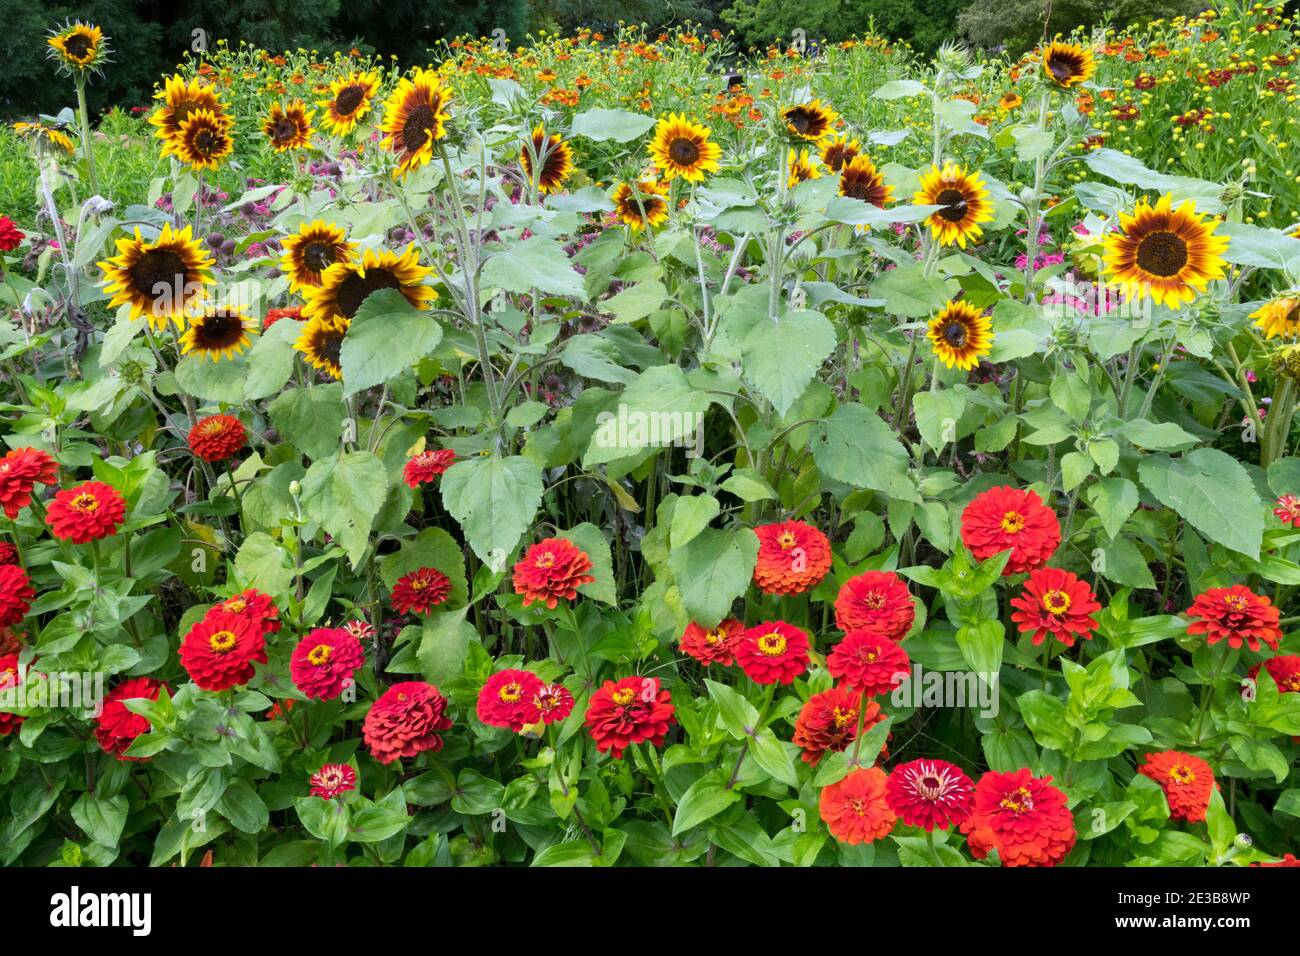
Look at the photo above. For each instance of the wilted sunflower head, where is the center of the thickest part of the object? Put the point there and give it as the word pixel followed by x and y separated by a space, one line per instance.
pixel 218 332
pixel 837 152
pixel 556 160
pixel 161 280
pixel 1165 253
pixel 345 285
pixel 1067 64
pixel 78 48
pixel 682 148
pixel 964 200
pixel 812 121
pixel 1279 317
pixel 181 98
pixel 415 118
pixel 801 168
pixel 349 101
pixel 46 139
pixel 960 334
pixel 288 127
pixel 321 343
pixel 204 141
pixel 317 246
pixel 644 204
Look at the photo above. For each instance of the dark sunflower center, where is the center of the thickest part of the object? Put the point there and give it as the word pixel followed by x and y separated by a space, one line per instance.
pixel 218 331
pixel 349 98
pixel 354 289
pixel 330 346
pixel 156 269
pixel 182 110
pixel 954 333
pixel 285 130
pixel 417 128
pixel 318 256
pixel 1162 254
pixel 1063 66
pixel 954 203
pixel 206 141
pixel 78 46
pixel 800 121
pixel 684 152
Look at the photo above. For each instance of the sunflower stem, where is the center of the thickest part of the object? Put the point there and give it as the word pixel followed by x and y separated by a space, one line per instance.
pixel 87 146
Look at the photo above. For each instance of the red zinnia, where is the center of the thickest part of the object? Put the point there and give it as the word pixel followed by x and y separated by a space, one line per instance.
pixel 773 652
pixel 550 570
pixel 1288 510
pixel 8 553
pixel 1186 780
pixel 792 557
pixel 1021 816
pixel 20 470
pixel 117 727
pixel 362 630
pixel 428 465
pixel 273 316
pixel 553 703
pixel 255 607
pixel 855 809
pixel 877 600
pixel 930 793
pixel 324 661
pixel 1285 671
pixel 16 594
pixel 1007 517
pixel 405 721
pixel 716 646
pixel 10 235
pixel 1056 602
pixel 1237 614
pixel 420 591
pixel 626 712
pixel 333 779
pixel 217 437
pixel 10 677
pixel 1288 860
pixel 829 722
pixel 88 512
pixel 869 663
pixel 506 700
pixel 220 650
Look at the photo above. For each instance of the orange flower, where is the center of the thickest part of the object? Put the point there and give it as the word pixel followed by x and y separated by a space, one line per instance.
pixel 792 557
pixel 855 809
pixel 1023 817
pixel 1236 614
pixel 552 569
pixel 1186 780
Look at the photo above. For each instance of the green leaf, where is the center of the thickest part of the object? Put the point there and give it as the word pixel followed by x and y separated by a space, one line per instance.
pixel 780 358
pixel 592 540
pixel 1165 436
pixel 344 495
pixel 261 561
pixel 659 409
pixel 856 447
pixel 705 798
pixel 774 757
pixel 691 515
pixel 536 264
pixel 736 714
pixel 1213 492
pixel 387 336
pixel 494 500
pixel 311 419
pixel 1113 499
pixel 621 126
pixel 908 292
pixel 101 818
pixel 220 381
pixel 713 570
pixel 431 548
pixel 270 361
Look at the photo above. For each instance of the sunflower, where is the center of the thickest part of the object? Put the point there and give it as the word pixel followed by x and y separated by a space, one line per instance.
pixel 836 153
pixel 960 334
pixel 317 246
pixel 1279 317
pixel 288 127
pixel 682 148
pixel 801 168
pixel 78 46
pixel 859 179
pixel 556 158
pixel 1165 253
pixel 180 99
pixel 160 279
pixel 320 343
pixel 218 332
pixel 345 285
pixel 1067 64
pixel 45 137
pixel 414 119
pixel 642 205
pixel 811 121
pixel 349 101
pixel 965 202
pixel 204 141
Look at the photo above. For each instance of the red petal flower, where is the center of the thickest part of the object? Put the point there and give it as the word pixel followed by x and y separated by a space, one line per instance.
pixel 1236 614
pixel 507 699
pixel 829 722
pixel 1023 817
pixel 773 652
pixel 116 728
pixel 1285 671
pixel 1007 517
pixel 878 601
pixel 1288 510
pixel 255 607
pixel 553 703
pixel 626 712
pixel 88 512
pixel 420 591
pixel 716 646
pixel 275 315
pixel 217 437
pixel 10 677
pixel 405 721
pixel 16 594
pixel 868 662
pixel 1056 603
pixel 428 465
pixel 324 661
pixel 792 557
pixel 220 650
pixel 855 809
pixel 1187 782
pixel 20 471
pixel 10 235
pixel 930 793
pixel 333 779
pixel 550 570
pixel 8 553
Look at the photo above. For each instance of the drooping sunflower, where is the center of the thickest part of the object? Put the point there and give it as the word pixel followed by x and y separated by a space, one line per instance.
pixel 349 102
pixel 1279 317
pixel 162 279
pixel 1166 253
pixel 682 148
pixel 859 179
pixel 345 285
pixel 181 98
pixel 643 203
pixel 288 127
pixel 555 156
pixel 317 246
pixel 78 47
pixel 1068 64
pixel 45 137
pixel 965 202
pixel 836 153
pixel 219 331
pixel 320 344
pixel 415 118
pixel 801 168
pixel 812 121
pixel 960 334
pixel 204 141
